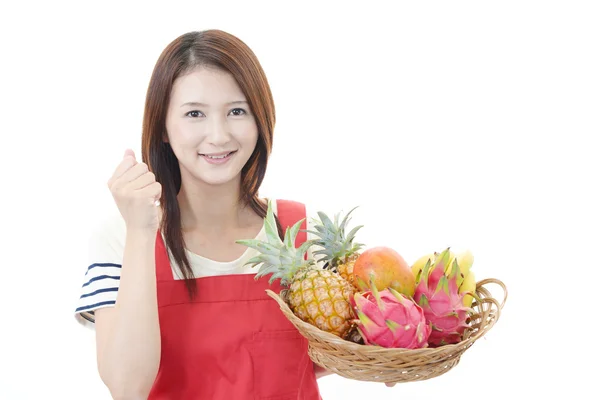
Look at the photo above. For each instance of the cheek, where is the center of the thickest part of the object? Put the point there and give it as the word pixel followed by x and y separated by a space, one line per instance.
pixel 247 134
pixel 182 134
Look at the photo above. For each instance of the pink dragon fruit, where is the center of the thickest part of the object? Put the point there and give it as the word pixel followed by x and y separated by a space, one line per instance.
pixel 441 301
pixel 390 319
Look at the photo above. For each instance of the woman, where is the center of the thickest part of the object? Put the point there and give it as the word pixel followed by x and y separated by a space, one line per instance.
pixel 192 322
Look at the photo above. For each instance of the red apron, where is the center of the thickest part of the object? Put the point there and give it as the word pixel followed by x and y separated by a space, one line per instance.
pixel 231 342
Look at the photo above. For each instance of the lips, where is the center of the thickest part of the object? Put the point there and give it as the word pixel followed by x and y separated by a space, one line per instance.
pixel 217 156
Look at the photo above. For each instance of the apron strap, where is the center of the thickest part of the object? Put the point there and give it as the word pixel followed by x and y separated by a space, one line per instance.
pixel 162 262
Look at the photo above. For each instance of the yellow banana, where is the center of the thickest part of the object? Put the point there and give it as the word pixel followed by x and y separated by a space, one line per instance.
pixel 465 261
pixel 468 285
pixel 420 263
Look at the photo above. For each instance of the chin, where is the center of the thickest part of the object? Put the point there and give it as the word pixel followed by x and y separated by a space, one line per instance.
pixel 202 174
pixel 218 180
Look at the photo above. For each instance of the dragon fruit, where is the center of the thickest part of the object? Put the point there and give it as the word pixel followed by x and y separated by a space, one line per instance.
pixel 390 319
pixel 438 294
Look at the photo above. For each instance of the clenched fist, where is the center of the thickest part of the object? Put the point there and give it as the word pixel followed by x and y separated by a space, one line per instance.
pixel 136 193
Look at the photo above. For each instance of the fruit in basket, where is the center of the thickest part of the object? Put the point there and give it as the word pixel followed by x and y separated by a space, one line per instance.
pixel 418 265
pixel 386 267
pixel 466 279
pixel 389 319
pixel 468 287
pixel 317 296
pixel 442 303
pixel 337 248
pixel 354 335
pixel 464 259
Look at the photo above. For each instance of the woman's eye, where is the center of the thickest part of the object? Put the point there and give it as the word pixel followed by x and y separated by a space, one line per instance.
pixel 238 111
pixel 194 114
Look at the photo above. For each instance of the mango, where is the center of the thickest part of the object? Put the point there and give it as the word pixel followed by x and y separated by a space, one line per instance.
pixel 386 268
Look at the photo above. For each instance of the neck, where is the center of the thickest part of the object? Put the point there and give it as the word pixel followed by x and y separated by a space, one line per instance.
pixel 210 208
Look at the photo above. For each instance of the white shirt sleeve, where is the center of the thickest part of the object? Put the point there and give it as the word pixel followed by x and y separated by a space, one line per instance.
pixel 103 272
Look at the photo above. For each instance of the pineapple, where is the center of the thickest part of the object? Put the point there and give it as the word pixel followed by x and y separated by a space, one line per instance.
pixel 317 296
pixel 338 250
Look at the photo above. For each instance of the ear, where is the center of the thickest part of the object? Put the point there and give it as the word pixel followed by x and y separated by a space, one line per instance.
pixel 165 137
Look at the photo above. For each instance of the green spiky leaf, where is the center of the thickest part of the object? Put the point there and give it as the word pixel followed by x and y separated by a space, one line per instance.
pixel 293 232
pixel 335 244
pixel 279 258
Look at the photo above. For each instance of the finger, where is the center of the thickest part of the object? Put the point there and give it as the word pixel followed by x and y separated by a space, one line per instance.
pixel 132 174
pixel 128 153
pixel 141 182
pixel 124 166
pixel 390 384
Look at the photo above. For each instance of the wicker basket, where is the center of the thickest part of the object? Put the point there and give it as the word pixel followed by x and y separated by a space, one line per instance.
pixel 377 364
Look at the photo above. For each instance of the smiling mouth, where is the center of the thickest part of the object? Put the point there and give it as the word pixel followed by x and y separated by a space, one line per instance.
pixel 218 157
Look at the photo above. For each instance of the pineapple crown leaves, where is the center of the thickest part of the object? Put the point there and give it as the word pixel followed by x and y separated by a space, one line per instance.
pixel 279 258
pixel 335 243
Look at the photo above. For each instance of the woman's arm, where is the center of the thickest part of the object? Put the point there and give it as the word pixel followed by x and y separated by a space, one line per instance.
pixel 128 335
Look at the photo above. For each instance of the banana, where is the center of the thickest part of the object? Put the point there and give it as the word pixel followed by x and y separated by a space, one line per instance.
pixel 420 263
pixel 465 261
pixel 468 286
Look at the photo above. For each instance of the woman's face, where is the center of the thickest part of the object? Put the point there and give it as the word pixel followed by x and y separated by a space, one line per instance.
pixel 210 127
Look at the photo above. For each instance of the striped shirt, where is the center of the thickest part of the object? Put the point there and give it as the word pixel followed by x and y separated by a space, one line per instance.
pixel 103 273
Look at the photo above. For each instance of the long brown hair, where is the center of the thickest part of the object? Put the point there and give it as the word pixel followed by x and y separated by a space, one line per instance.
pixel 215 49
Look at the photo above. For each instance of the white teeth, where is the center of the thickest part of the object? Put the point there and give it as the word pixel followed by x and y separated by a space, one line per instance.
pixel 217 157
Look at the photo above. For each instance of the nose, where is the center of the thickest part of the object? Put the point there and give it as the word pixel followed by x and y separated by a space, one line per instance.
pixel 218 133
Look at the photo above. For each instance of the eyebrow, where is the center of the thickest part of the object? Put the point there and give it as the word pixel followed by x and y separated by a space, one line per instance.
pixel 195 103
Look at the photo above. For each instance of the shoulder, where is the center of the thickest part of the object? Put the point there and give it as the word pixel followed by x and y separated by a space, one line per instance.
pixel 107 238
pixel 102 271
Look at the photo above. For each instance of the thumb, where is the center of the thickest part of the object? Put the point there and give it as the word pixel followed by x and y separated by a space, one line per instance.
pixel 129 152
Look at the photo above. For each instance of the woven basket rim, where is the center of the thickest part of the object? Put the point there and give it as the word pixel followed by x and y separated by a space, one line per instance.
pixel 373 350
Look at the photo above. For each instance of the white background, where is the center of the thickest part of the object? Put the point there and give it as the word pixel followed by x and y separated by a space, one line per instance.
pixel 469 124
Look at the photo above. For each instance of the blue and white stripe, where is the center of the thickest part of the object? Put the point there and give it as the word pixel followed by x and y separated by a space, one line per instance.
pixel 99 289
